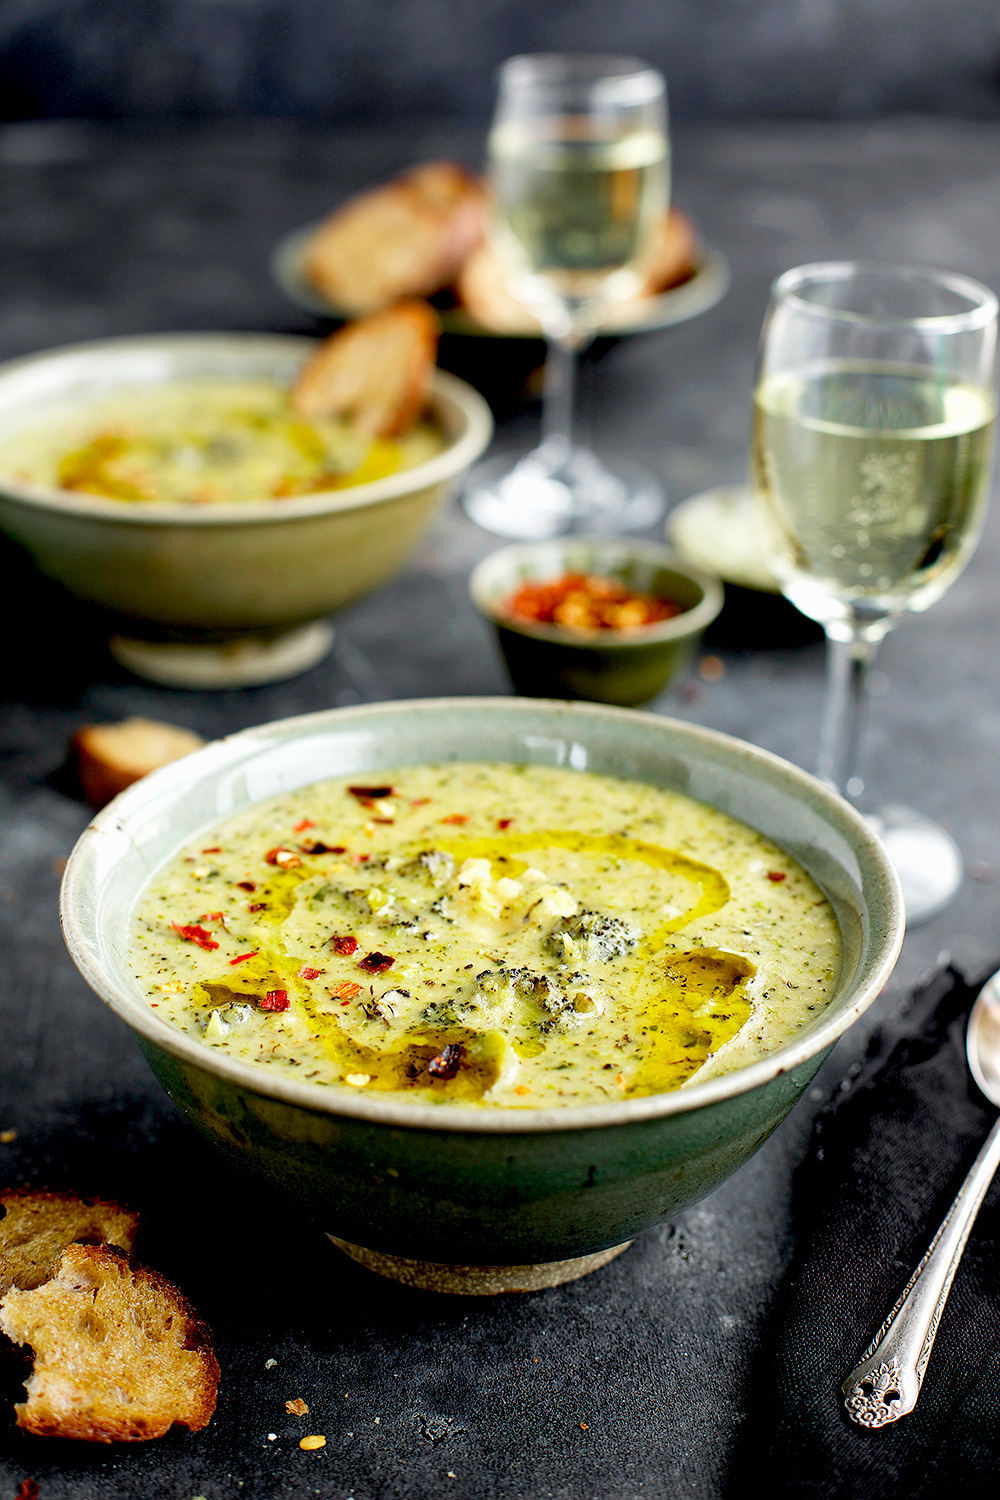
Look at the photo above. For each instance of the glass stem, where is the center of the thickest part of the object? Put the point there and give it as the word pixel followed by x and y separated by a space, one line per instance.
pixel 847 663
pixel 557 396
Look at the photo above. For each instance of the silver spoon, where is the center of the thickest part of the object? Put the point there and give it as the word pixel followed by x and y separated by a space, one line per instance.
pixel 886 1384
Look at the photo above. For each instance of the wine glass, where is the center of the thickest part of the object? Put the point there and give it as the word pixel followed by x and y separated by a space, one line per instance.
pixel 579 167
pixel 874 414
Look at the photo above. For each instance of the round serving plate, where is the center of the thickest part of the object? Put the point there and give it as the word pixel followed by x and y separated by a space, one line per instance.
pixel 705 288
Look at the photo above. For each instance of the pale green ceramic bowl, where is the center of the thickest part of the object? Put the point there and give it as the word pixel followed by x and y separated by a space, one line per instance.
pixel 258 575
pixel 468 1198
pixel 624 667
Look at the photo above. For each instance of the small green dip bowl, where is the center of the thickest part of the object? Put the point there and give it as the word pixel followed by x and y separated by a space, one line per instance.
pixel 624 667
pixel 465 1198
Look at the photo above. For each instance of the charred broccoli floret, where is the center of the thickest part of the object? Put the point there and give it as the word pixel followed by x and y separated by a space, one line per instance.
pixel 593 937
pixel 500 990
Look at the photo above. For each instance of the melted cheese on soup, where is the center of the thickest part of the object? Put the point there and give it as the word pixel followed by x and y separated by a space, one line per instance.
pixel 514 936
pixel 207 442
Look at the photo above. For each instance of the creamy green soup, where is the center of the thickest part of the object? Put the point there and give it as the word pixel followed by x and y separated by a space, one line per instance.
pixel 514 936
pixel 204 442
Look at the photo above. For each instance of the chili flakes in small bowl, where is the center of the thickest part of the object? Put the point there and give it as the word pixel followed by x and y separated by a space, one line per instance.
pixel 588 601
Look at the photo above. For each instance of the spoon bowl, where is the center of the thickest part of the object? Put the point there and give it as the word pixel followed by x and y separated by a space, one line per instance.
pixel 982 1040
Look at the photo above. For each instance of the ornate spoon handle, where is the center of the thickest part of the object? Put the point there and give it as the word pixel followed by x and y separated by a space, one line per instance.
pixel 886 1384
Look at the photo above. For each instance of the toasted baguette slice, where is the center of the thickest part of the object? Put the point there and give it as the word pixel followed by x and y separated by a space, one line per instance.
pixel 375 372
pixel 407 238
pixel 483 282
pixel 36 1227
pixel 110 757
pixel 674 254
pixel 119 1354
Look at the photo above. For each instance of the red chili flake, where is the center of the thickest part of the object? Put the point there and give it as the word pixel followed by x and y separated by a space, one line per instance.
pixel 242 957
pixel 447 1062
pixel 303 824
pixel 307 973
pixel 455 818
pixel 585 601
pixel 346 945
pixel 376 963
pixel 285 859
pixel 216 849
pixel 212 916
pixel 420 801
pixel 246 885
pixel 315 847
pixel 360 859
pixel 195 934
pixel 346 991
pixel 776 875
pixel 275 1000
pixel 504 822
pixel 371 793
pixel 27 1490
pixel 257 906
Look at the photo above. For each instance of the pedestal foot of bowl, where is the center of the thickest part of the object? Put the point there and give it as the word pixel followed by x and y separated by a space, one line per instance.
pixel 477 1281
pixel 246 661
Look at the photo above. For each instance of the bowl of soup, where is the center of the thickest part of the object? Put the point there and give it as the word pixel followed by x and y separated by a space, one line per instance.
pixel 164 480
pixel 486 986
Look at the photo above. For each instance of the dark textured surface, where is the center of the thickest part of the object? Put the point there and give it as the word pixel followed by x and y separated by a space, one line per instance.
pixel 887 1153
pixel 340 60
pixel 104 232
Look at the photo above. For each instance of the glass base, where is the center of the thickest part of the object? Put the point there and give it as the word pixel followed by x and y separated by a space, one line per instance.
pixel 547 493
pixel 926 859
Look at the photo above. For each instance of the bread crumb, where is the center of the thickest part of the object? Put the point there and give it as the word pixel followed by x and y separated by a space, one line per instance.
pixel 297 1408
pixel 6 1136
pixel 316 1440
pixel 269 1364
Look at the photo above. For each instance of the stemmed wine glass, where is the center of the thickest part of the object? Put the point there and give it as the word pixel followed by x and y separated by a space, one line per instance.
pixel 873 434
pixel 579 168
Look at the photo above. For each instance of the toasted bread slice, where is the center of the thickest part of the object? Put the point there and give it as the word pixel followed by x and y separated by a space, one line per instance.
pixel 674 254
pixel 375 372
pixel 110 757
pixel 119 1354
pixel 407 238
pixel 36 1227
pixel 483 283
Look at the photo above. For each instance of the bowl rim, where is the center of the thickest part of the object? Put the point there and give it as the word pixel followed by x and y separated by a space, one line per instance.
pixel 688 622
pixel 76 896
pixel 445 389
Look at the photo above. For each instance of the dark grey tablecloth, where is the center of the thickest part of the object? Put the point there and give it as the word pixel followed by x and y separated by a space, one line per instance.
pixel 661 1354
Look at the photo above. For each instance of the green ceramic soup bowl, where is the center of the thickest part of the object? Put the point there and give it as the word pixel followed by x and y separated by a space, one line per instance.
pixel 625 667
pixel 459 1197
pixel 219 595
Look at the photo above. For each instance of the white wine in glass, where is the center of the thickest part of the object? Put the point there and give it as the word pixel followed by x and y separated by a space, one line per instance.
pixel 874 418
pixel 579 169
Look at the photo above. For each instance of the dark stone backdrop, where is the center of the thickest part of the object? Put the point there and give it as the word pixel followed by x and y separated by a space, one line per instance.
pixel 373 60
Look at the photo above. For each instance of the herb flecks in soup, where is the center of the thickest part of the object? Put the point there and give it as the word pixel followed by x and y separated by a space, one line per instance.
pixel 205 442
pixel 487 934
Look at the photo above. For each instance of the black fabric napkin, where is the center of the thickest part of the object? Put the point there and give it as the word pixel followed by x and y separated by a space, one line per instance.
pixel 888 1155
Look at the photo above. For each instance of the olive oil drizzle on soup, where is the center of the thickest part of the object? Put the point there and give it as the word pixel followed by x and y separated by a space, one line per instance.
pixel 516 936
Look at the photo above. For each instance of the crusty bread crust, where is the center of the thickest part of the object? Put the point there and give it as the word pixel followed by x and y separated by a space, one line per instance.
pixel 110 757
pixel 407 238
pixel 674 254
pixel 376 372
pixel 483 282
pixel 120 1355
pixel 36 1227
